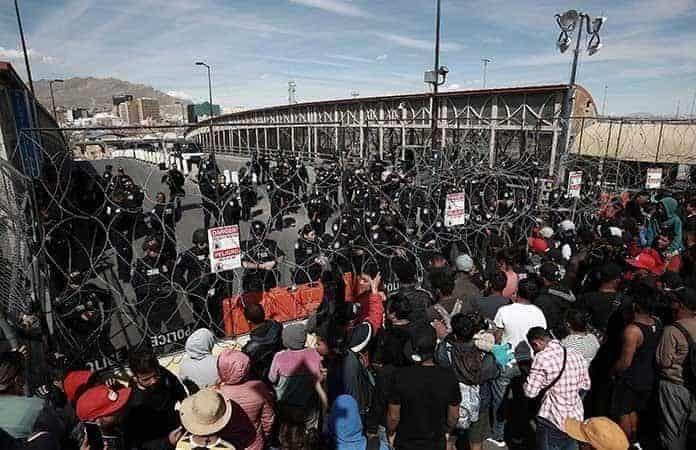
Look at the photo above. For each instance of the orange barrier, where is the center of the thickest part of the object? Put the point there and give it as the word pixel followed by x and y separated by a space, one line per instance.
pixel 281 304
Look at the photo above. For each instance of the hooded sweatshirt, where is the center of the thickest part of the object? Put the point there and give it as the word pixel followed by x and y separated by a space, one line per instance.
pixel 199 365
pixel 345 424
pixel 253 415
pixel 671 209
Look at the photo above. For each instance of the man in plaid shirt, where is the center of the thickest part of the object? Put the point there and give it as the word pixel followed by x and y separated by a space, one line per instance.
pixel 561 389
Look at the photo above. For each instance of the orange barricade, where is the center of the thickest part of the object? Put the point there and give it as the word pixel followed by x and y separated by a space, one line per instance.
pixel 280 304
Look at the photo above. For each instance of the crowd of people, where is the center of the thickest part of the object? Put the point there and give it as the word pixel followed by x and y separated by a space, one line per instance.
pixel 577 336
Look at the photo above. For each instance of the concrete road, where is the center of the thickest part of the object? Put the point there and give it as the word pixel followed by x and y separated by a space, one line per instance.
pixel 127 328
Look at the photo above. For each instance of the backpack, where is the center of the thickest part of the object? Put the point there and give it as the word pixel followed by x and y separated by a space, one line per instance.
pixel 689 365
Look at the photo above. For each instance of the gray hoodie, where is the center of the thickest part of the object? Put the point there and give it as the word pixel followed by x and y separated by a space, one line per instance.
pixel 199 365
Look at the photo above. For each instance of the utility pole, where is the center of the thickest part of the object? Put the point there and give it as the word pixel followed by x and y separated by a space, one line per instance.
pixel 435 80
pixel 210 109
pixel 678 105
pixel 24 49
pixel 485 61
pixel 693 106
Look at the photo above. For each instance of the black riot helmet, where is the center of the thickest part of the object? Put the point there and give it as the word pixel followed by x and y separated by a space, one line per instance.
pixel 200 236
pixel 258 229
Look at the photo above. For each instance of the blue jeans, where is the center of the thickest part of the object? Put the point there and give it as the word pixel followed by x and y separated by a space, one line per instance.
pixel 499 393
pixel 549 437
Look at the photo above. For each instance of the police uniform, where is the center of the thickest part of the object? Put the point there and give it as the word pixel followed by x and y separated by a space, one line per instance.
pixel 247 194
pixel 281 194
pixel 155 293
pixel 306 253
pixel 207 182
pixel 259 251
pixel 175 180
pixel 120 230
pixel 318 211
pixel 84 310
pixel 204 288
pixel 161 222
pixel 231 207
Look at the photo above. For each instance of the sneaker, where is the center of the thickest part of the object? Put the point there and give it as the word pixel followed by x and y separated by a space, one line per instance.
pixel 635 446
pixel 499 444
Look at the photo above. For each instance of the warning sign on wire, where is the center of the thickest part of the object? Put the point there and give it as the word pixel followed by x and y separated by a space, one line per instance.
pixel 574 183
pixel 455 209
pixel 225 253
pixel 654 178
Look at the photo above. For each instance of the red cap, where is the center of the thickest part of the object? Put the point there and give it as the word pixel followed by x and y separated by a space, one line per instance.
pixel 646 261
pixel 75 382
pixel 538 245
pixel 100 401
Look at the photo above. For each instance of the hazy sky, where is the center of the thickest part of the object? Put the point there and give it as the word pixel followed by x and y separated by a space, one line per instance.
pixel 375 47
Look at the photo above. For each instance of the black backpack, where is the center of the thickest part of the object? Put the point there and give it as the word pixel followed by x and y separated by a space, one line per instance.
pixel 367 389
pixel 689 371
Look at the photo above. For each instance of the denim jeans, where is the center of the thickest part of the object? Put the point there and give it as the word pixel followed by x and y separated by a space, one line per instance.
pixel 551 438
pixel 499 393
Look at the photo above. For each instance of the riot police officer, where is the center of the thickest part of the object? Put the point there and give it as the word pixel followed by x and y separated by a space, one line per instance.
pixel 154 290
pixel 307 254
pixel 107 175
pixel 281 194
pixel 161 222
pixel 84 310
pixel 260 259
pixel 247 193
pixel 231 207
pixel 175 180
pixel 205 290
pixel 121 221
pixel 300 177
pixel 207 182
pixel 318 211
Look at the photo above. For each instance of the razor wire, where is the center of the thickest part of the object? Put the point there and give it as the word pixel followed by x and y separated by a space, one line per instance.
pixel 380 209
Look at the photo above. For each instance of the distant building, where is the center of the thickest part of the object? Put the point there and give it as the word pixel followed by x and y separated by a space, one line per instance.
pixel 148 109
pixel 118 99
pixel 63 115
pixel 128 112
pixel 191 114
pixel 203 109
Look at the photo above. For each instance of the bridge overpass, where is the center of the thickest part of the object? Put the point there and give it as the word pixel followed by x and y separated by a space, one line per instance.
pixel 508 120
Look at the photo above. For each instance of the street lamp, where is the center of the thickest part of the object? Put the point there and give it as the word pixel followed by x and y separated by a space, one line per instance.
pixel 53 100
pixel 568 22
pixel 24 49
pixel 485 62
pixel 437 77
pixel 210 103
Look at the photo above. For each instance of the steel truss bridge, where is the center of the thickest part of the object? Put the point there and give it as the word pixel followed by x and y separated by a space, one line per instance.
pixel 508 121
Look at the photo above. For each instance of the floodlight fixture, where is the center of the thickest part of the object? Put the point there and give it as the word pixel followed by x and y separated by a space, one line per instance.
pixel 563 42
pixel 568 20
pixel 597 23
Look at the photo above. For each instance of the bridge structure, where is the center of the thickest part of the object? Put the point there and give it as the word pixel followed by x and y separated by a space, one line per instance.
pixel 509 121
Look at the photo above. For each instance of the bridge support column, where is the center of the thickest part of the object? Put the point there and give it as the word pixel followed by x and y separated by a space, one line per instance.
pixel 381 131
pixel 362 132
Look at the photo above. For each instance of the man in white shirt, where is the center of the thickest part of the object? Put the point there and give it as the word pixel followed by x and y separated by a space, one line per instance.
pixel 512 323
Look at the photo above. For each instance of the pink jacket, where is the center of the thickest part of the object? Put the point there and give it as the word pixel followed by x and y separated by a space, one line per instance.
pixel 253 414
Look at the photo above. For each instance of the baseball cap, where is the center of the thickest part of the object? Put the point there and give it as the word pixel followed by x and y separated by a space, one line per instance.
pixel 546 232
pixel 566 225
pixel 360 336
pixel 600 432
pixel 687 297
pixel 101 401
pixel 464 263
pixel 422 344
pixel 75 383
pixel 645 261
pixel 550 271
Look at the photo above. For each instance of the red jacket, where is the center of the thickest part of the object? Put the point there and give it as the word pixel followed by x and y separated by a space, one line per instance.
pixel 371 310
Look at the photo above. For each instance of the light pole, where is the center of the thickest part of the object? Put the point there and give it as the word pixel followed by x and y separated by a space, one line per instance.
pixel 485 61
pixel 604 99
pixel 210 103
pixel 568 22
pixel 433 77
pixel 53 100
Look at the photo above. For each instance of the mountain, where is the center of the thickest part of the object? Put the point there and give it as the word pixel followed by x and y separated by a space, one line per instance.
pixel 95 93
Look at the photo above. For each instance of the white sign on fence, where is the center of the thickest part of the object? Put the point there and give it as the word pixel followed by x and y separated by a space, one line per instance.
pixel 225 252
pixel 574 183
pixel 455 209
pixel 683 172
pixel 654 178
